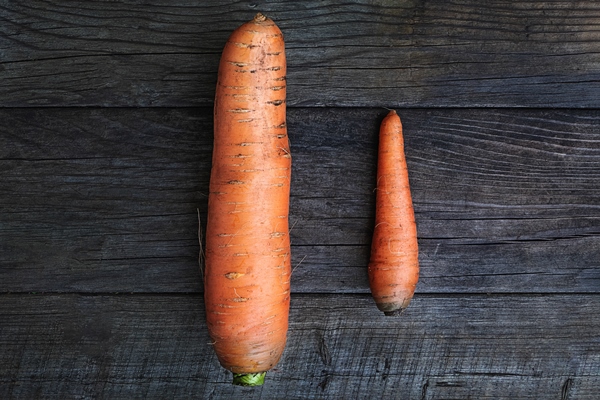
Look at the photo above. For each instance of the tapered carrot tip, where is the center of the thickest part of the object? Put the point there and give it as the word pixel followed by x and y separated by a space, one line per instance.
pixel 256 379
pixel 393 309
pixel 394 312
pixel 260 17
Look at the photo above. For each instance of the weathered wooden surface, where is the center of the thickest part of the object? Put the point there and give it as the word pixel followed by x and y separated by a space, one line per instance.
pixel 105 147
pixel 406 53
pixel 106 199
pixel 443 347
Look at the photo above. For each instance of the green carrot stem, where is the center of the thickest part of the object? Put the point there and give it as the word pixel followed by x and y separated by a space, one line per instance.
pixel 256 379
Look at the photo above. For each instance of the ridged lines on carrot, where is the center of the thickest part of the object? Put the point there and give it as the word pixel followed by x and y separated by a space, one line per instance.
pixel 246 235
pixel 393 267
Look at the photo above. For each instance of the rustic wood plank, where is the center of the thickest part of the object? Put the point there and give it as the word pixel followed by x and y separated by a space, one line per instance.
pixel 100 205
pixel 106 199
pixel 413 53
pixel 133 346
pixel 100 196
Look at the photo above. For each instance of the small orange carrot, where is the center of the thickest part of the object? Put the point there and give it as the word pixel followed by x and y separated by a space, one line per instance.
pixel 247 265
pixel 394 264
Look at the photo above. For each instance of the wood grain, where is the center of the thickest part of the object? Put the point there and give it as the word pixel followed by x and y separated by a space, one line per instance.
pixel 410 54
pixel 105 153
pixel 131 346
pixel 105 200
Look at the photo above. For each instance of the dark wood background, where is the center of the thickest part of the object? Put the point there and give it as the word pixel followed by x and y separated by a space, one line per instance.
pixel 105 149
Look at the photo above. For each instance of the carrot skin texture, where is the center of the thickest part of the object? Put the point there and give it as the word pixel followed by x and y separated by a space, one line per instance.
pixel 394 265
pixel 247 251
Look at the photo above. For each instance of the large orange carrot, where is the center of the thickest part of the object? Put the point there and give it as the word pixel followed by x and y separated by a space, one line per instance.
pixel 247 274
pixel 394 265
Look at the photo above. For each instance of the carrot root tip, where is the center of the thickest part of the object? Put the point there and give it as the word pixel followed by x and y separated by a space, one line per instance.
pixel 393 308
pixel 252 379
pixel 260 17
pixel 393 313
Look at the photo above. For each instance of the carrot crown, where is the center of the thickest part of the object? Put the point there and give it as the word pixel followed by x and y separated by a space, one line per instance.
pixel 249 379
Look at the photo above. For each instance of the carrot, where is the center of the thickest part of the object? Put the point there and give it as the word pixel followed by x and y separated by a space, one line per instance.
pixel 394 264
pixel 247 266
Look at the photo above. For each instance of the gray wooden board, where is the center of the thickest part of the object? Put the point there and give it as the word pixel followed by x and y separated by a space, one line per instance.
pixel 106 199
pixel 443 347
pixel 362 53
pixel 105 149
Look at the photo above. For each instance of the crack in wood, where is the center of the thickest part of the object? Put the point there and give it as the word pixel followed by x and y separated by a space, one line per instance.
pixel 424 390
pixel 324 351
pixel 565 389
